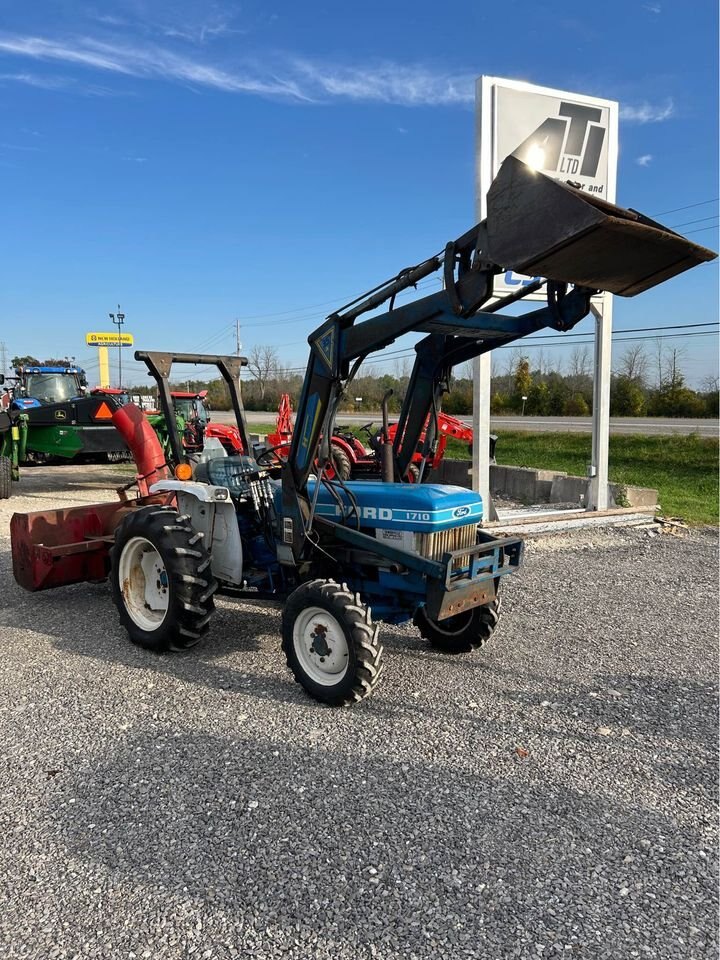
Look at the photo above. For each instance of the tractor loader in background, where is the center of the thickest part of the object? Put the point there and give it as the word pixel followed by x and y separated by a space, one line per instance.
pixel 341 556
pixel 353 460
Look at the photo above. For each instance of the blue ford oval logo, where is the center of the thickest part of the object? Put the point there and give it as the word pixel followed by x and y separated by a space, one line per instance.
pixel 461 512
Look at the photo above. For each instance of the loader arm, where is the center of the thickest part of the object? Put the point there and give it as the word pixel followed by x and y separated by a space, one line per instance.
pixel 535 224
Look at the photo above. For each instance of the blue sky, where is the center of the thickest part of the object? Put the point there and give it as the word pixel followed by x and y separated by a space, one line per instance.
pixel 197 162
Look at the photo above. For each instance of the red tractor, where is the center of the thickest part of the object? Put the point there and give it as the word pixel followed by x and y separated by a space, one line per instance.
pixel 195 411
pixel 192 413
pixel 353 460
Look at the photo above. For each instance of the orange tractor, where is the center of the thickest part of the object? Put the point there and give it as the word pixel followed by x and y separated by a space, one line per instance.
pixel 351 459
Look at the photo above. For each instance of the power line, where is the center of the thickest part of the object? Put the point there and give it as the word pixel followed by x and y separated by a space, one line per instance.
pixel 688 222
pixel 311 316
pixel 225 331
pixel 560 338
pixel 557 341
pixel 689 206
pixel 700 229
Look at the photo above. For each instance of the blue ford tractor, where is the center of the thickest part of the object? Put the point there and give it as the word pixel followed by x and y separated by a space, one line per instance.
pixel 342 556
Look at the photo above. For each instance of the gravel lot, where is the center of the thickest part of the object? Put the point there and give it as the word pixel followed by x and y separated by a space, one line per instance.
pixel 552 795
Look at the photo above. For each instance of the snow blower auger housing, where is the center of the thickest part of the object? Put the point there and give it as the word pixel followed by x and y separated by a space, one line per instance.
pixel 341 556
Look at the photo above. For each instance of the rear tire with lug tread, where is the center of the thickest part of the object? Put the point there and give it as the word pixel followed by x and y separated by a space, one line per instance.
pixel 161 580
pixel 331 643
pixel 413 473
pixel 5 477
pixel 341 462
pixel 462 633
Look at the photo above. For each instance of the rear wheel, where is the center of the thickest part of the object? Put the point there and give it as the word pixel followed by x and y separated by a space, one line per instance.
pixel 463 632
pixel 341 462
pixel 331 643
pixel 161 580
pixel 413 473
pixel 5 477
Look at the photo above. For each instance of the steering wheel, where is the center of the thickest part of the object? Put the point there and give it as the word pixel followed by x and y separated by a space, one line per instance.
pixel 368 427
pixel 277 460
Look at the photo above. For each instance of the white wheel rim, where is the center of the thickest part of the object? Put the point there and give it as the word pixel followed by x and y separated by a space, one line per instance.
pixel 144 583
pixel 321 646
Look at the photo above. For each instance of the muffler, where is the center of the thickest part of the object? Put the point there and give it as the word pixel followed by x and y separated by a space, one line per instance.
pixel 541 227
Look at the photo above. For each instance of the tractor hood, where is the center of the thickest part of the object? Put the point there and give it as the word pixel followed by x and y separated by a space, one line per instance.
pixel 419 508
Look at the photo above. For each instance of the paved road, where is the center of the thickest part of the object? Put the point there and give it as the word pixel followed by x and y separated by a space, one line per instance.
pixel 626 425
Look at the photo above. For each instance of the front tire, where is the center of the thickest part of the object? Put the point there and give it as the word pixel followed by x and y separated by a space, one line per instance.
pixel 462 633
pixel 161 580
pixel 330 643
pixel 5 477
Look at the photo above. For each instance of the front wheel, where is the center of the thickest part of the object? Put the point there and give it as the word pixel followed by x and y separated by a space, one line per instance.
pixel 330 643
pixel 161 580
pixel 463 632
pixel 5 477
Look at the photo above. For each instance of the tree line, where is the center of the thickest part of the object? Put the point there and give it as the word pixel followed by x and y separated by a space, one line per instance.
pixel 646 381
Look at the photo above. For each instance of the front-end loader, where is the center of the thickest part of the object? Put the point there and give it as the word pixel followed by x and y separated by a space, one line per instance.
pixel 352 459
pixel 341 556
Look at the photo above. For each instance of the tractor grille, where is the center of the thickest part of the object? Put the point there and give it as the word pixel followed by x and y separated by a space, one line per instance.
pixel 433 545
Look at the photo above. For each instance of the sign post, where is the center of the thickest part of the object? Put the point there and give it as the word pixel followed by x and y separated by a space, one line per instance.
pixel 568 136
pixel 102 341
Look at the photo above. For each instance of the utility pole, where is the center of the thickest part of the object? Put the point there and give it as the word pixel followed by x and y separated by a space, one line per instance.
pixel 238 345
pixel 3 357
pixel 119 319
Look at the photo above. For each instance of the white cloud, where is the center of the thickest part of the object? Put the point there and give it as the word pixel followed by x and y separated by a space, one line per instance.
pixel 300 80
pixel 147 61
pixel 652 7
pixel 34 80
pixel 389 83
pixel 648 112
pixel 645 160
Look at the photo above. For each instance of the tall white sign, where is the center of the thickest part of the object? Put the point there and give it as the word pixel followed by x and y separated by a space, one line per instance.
pixel 565 135
pixel 568 136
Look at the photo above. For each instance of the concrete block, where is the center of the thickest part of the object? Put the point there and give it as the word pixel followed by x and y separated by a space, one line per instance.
pixel 543 490
pixel 569 490
pixel 517 483
pixel 630 496
pixel 455 472
pixel 528 485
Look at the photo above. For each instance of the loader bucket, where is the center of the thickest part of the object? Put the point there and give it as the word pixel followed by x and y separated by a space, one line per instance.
pixel 542 227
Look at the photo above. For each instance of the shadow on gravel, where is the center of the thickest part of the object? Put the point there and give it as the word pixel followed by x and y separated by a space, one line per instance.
pixel 295 843
pixel 83 632
pixel 82 619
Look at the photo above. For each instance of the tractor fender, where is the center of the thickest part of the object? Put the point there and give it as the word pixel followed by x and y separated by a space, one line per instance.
pixel 227 432
pixel 212 513
pixel 345 446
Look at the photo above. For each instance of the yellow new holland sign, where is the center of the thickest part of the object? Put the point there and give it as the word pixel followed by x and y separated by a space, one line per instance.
pixel 109 339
